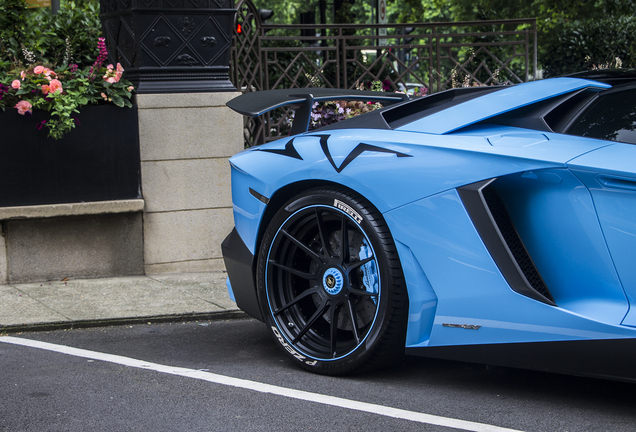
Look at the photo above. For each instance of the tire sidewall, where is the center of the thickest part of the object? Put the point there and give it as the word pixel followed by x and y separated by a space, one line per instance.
pixel 357 209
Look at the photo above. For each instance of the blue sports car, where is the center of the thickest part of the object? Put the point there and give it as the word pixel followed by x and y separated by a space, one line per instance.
pixel 487 224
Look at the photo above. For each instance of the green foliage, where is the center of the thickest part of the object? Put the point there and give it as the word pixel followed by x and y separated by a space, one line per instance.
pixel 36 35
pixel 405 11
pixel 288 11
pixel 580 45
pixel 568 30
pixel 71 35
pixel 13 19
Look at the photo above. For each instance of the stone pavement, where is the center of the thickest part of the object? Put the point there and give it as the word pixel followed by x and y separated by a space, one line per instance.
pixel 112 301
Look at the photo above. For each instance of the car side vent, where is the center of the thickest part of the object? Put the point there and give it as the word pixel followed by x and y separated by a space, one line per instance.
pixel 514 242
pixel 492 221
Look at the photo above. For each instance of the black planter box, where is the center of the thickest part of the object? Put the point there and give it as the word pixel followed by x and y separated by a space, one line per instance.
pixel 96 161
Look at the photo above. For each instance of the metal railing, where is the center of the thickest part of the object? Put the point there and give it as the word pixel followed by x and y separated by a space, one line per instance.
pixel 436 56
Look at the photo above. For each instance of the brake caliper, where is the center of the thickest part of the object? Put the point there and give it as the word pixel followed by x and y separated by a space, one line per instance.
pixel 369 271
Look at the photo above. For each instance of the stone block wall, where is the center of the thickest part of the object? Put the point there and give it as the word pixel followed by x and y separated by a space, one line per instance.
pixel 76 240
pixel 185 143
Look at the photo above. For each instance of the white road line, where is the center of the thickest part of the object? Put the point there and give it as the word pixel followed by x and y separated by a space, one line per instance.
pixel 260 387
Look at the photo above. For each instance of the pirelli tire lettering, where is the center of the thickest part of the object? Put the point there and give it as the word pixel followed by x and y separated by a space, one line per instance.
pixel 347 209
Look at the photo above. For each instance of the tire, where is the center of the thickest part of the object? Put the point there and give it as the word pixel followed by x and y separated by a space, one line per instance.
pixel 333 309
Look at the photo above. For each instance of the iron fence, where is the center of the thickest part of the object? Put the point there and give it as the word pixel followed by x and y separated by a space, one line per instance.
pixel 434 56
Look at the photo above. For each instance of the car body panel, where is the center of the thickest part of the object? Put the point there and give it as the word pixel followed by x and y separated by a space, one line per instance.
pixel 406 159
pixel 569 200
pixel 610 175
pixel 497 103
pixel 555 215
pixel 442 238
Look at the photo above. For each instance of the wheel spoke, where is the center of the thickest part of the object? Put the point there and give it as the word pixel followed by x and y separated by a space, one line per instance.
pixel 319 312
pixel 354 320
pixel 354 266
pixel 321 230
pixel 333 333
pixel 305 248
pixel 344 240
pixel 296 299
pixel 359 292
pixel 304 275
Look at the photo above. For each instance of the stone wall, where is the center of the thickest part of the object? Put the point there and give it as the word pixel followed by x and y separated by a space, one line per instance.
pixel 186 141
pixel 77 240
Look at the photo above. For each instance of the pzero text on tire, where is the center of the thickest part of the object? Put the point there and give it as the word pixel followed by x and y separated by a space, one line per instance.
pixel 330 284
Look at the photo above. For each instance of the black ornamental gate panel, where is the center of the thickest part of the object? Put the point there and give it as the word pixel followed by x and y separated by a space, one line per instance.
pixel 169 46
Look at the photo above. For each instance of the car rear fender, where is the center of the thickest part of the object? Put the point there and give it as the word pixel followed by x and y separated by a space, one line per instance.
pixel 386 169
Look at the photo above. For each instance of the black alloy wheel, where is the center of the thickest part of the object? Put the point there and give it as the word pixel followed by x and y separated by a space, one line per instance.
pixel 330 284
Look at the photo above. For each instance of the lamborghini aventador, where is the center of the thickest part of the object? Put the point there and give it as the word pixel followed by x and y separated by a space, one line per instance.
pixel 487 224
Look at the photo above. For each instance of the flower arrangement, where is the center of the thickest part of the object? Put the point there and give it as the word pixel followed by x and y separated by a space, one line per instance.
pixel 617 63
pixel 326 113
pixel 323 114
pixel 62 91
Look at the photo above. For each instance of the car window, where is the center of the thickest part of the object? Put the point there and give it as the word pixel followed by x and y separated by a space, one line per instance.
pixel 611 117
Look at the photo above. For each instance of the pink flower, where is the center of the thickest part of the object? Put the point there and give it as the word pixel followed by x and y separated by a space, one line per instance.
pixel 112 76
pixel 22 75
pixel 55 86
pixel 120 72
pixel 130 88
pixel 104 96
pixel 45 89
pixel 15 84
pixel 24 107
pixel 38 69
pixel 48 72
pixel 103 54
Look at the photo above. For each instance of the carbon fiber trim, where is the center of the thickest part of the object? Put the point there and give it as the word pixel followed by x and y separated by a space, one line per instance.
pixel 601 358
pixel 491 219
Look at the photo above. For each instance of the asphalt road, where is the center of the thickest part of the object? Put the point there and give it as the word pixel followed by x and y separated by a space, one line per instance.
pixel 43 390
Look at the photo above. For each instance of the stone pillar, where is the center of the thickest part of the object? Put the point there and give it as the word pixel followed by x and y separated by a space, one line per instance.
pixel 3 258
pixel 185 141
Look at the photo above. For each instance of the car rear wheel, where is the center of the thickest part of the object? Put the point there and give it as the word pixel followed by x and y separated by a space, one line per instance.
pixel 330 284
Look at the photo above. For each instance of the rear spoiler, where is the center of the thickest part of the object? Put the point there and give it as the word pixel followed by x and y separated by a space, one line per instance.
pixel 253 104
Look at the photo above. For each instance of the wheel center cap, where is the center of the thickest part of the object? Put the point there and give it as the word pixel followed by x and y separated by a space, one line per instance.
pixel 333 281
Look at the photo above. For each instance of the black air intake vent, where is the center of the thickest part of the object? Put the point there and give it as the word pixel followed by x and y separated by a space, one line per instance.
pixel 514 242
pixel 496 229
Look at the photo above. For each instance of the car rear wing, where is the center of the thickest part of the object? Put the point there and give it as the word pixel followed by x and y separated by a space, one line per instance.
pixel 253 104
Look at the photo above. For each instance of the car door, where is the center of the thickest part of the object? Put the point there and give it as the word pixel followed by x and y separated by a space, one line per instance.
pixel 610 175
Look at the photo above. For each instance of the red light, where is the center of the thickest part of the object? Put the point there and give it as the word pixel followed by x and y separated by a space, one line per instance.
pixel 239 28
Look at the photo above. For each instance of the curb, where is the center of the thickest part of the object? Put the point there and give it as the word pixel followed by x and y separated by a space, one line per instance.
pixel 80 324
